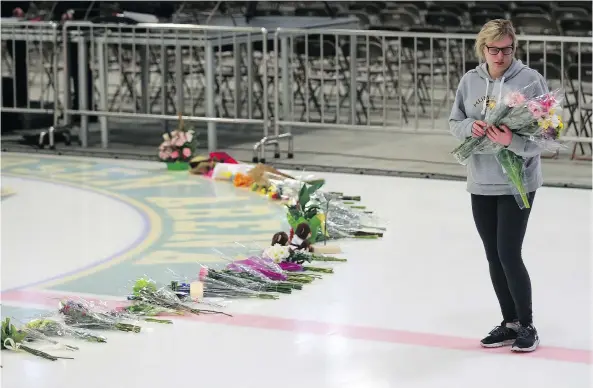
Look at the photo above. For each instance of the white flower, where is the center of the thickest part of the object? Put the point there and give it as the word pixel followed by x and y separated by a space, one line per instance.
pixel 166 137
pixel 189 135
pixel 555 121
pixel 277 253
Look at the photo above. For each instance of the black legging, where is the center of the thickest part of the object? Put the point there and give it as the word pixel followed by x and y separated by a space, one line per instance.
pixel 501 224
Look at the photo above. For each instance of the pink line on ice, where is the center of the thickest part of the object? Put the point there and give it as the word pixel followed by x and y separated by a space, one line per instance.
pixel 580 356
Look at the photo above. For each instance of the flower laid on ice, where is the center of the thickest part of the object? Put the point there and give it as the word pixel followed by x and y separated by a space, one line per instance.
pixel 514 99
pixel 277 253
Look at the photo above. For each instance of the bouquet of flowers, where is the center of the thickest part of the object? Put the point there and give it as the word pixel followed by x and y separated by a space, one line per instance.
pixel 211 287
pixel 12 338
pixel 535 119
pixel 145 312
pixel 179 145
pixel 78 314
pixel 53 328
pixel 269 269
pixel 281 253
pixel 147 293
pixel 235 279
pixel 292 260
pixel 249 273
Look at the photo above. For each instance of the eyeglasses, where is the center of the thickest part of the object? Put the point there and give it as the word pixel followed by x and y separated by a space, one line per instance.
pixel 495 50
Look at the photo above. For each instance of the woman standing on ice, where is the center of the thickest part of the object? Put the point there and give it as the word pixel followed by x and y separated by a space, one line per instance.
pixel 501 224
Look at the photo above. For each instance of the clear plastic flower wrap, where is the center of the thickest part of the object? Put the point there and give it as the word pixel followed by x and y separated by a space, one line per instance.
pixel 212 286
pixel 345 221
pixel 33 334
pixel 270 269
pixel 247 282
pixel 237 268
pixel 146 291
pixel 82 314
pixel 55 328
pixel 537 120
pixel 144 312
pixel 12 338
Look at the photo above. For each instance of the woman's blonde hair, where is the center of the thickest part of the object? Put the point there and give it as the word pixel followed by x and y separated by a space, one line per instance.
pixel 493 31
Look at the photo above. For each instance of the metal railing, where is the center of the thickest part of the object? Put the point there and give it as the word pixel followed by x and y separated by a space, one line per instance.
pixel 361 80
pixel 404 81
pixel 30 56
pixel 153 71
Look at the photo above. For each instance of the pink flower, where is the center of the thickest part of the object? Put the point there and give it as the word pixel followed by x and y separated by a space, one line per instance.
pixel 514 99
pixel 186 152
pixel 163 155
pixel 175 154
pixel 535 109
pixel 548 102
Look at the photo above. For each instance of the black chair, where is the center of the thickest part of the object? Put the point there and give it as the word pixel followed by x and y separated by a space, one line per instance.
pixel 486 7
pixel 448 21
pixel 411 8
pixel 369 8
pixel 533 10
pixel 478 19
pixel 570 13
pixel 576 26
pixel 534 25
pixel 580 79
pixel 400 18
pixel 447 6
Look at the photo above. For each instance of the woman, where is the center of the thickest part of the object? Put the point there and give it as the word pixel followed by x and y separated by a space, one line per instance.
pixel 500 222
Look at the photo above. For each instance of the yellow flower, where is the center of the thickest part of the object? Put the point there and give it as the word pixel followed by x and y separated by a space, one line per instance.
pixel 545 124
pixel 491 104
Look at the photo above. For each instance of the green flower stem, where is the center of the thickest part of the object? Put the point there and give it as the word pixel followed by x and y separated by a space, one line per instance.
pixel 128 327
pixel 513 166
pixel 41 354
pixel 164 321
pixel 468 147
pixel 328 258
pixel 318 269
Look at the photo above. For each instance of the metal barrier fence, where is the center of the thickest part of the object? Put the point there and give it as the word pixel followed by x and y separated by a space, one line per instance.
pixel 406 81
pixel 358 80
pixel 154 71
pixel 36 44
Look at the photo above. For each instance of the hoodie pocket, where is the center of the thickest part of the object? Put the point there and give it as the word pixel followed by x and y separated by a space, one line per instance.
pixel 484 169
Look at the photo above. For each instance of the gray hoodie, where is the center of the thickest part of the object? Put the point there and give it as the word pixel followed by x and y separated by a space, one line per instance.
pixel 484 174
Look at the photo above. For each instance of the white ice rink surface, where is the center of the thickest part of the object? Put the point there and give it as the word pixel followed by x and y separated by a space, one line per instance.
pixel 54 229
pixel 407 310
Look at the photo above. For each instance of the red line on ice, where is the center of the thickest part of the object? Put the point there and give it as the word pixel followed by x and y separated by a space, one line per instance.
pixel 580 356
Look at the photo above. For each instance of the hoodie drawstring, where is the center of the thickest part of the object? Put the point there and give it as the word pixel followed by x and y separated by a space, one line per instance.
pixel 484 105
pixel 485 97
pixel 500 90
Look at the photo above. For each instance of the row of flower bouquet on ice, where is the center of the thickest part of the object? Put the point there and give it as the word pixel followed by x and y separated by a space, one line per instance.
pixel 330 215
pixel 281 268
pixel 536 119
